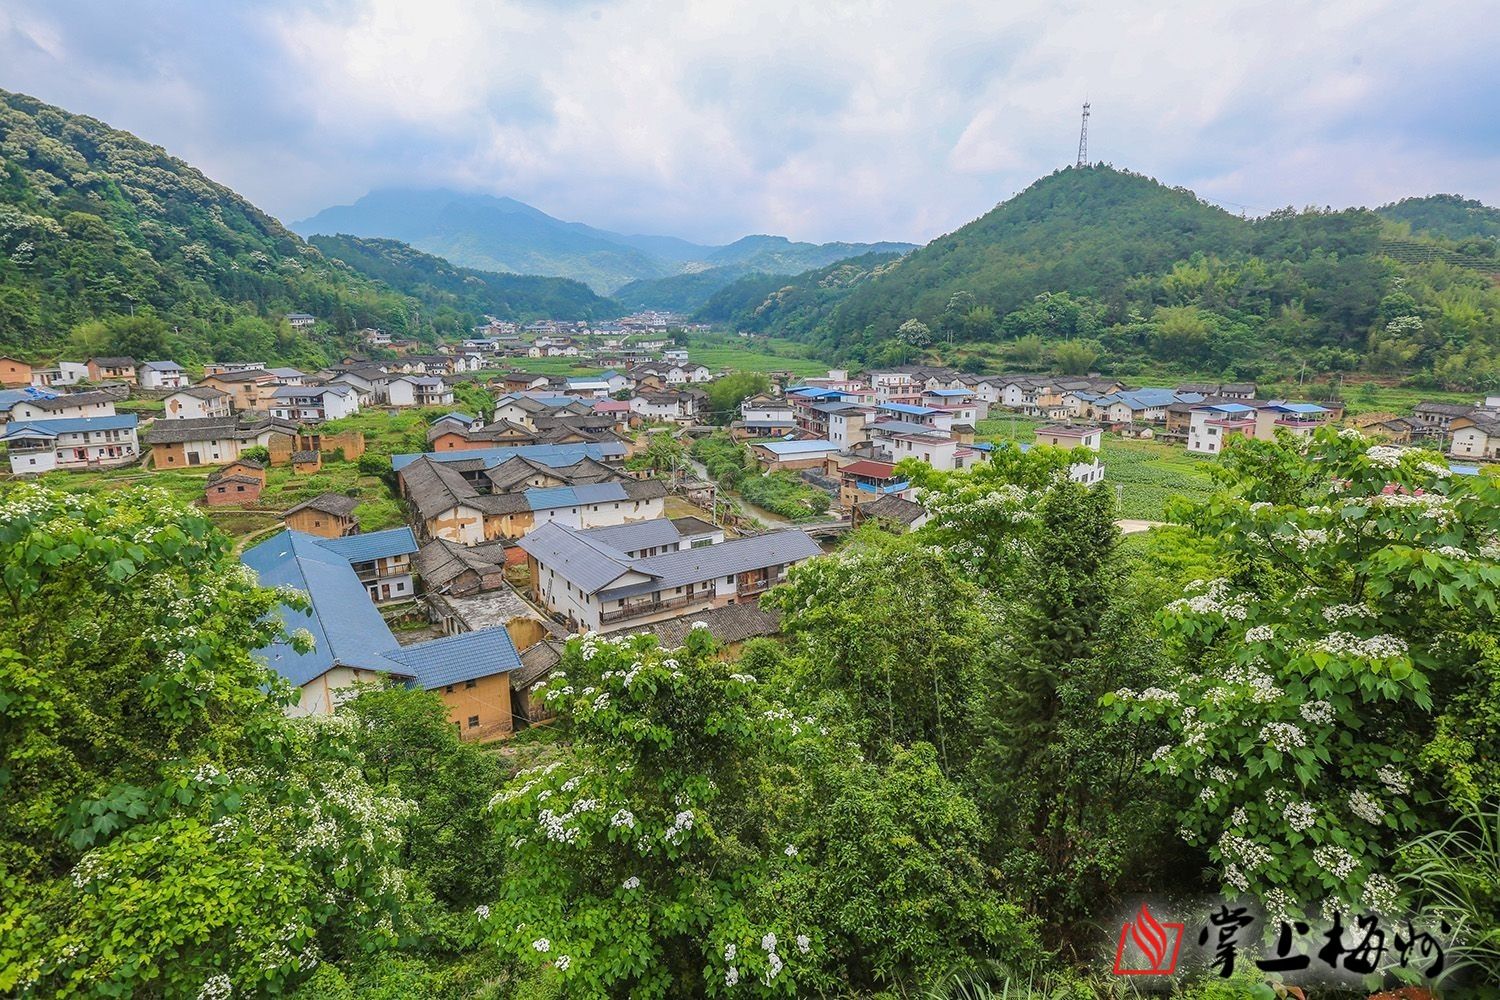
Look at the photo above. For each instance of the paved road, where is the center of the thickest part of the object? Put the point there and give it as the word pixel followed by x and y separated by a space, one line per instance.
pixel 1132 526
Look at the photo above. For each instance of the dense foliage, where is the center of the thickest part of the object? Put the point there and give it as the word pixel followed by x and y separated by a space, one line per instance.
pixel 785 494
pixel 458 297
pixel 95 223
pixel 1098 267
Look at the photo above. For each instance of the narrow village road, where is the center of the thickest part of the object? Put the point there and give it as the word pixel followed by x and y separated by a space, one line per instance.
pixel 1134 526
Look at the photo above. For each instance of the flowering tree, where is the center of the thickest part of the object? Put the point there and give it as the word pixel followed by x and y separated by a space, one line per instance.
pixel 163 827
pixel 690 842
pixel 1359 594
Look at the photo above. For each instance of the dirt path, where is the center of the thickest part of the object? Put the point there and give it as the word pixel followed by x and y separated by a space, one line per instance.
pixel 1134 526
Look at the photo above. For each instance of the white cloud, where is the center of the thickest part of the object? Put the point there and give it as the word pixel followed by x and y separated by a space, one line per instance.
pixel 878 120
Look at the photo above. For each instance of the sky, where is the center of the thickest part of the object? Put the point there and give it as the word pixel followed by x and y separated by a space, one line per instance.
pixel 814 119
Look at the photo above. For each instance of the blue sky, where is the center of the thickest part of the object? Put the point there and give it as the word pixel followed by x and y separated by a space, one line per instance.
pixel 835 119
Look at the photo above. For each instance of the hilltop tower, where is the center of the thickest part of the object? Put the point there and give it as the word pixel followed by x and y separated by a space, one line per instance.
pixel 1083 137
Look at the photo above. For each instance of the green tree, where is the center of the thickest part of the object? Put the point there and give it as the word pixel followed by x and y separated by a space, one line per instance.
pixel 1075 357
pixel 725 394
pixel 1351 619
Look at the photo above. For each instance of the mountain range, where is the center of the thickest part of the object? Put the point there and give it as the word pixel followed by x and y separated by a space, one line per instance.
pixel 503 234
pixel 108 244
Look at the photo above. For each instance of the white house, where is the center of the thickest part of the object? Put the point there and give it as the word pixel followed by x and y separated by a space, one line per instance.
pixel 589 578
pixel 312 403
pixel 1476 436
pixel 1211 425
pixel 64 373
pixel 71 443
pixel 196 402
pixel 677 407
pixel 58 406
pixel 162 375
pixel 419 390
pixel 766 416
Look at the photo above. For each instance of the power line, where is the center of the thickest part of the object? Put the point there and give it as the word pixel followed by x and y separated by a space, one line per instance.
pixel 1083 137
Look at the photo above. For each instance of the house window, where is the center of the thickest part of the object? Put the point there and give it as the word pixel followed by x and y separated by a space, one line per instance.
pixel 473 722
pixel 448 689
pixel 470 684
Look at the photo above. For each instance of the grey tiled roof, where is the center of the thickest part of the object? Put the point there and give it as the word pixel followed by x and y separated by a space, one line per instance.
pixel 329 503
pixel 244 427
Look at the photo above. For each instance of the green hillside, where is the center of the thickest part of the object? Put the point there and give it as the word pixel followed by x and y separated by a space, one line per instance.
pixel 1448 216
pixel 461 295
pixel 108 243
pixel 1100 268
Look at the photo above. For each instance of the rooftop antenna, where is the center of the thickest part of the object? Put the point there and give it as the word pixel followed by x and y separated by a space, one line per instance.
pixel 1083 137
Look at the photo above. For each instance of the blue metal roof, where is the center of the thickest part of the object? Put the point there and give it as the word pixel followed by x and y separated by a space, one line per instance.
pixel 1464 470
pixel 910 410
pixel 796 447
pixel 347 629
pixel 1229 407
pixel 374 545
pixel 455 415
pixel 554 455
pixel 458 658
pixel 553 497
pixel 1300 407
pixel 948 392
pixel 70 425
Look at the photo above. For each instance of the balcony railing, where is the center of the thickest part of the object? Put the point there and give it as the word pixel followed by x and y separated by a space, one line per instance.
pixel 640 609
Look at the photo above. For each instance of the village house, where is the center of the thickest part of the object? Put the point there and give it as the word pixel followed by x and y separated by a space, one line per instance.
pixel 595 585
pixel 419 390
pixel 1434 419
pixel 305 463
pixel 196 402
pixel 382 560
pixel 1069 437
pixel 449 506
pixel 1212 424
pixel 225 367
pixel 764 415
pixel 64 373
pixel 249 389
pixel 449 568
pixel 236 484
pixel 70 443
pixel 1476 436
pixel 777 456
pixel 162 375
pixel 675 407
pixel 352 644
pixel 892 512
pixel 111 370
pixel 14 372
pixel 314 403
pixel 44 404
pixel 190 441
pixel 300 321
pixel 863 480
pixel 328 515
pixel 1298 419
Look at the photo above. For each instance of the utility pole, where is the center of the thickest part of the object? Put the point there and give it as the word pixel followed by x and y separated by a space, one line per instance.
pixel 1083 138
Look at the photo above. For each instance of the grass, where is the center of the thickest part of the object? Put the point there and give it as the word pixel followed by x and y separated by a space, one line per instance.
pixel 1007 427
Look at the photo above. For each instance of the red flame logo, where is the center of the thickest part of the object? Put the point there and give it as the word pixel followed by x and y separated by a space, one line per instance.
pixel 1157 943
pixel 1149 936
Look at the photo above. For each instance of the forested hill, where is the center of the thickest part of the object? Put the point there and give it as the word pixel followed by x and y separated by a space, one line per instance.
pixel 1447 216
pixel 111 243
pixel 452 295
pixel 1131 273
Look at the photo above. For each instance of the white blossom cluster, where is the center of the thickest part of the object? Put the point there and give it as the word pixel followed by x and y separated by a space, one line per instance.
pixel 1365 806
pixel 1380 894
pixel 1278 906
pixel 623 817
pixel 1233 876
pixel 216 987
pixel 1259 633
pixel 1243 851
pixel 1319 713
pixel 1262 686
pixel 1282 736
pixel 562 962
pixel 774 964
pixel 681 824
pixel 1394 779
pixel 631 884
pixel 1335 861
pixel 1379 647
pixel 1336 613
pixel 1433 505
pixel 1300 815
pixel 1214 600
pixel 1384 456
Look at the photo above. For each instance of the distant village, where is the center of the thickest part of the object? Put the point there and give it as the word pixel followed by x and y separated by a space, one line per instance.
pixel 531 523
